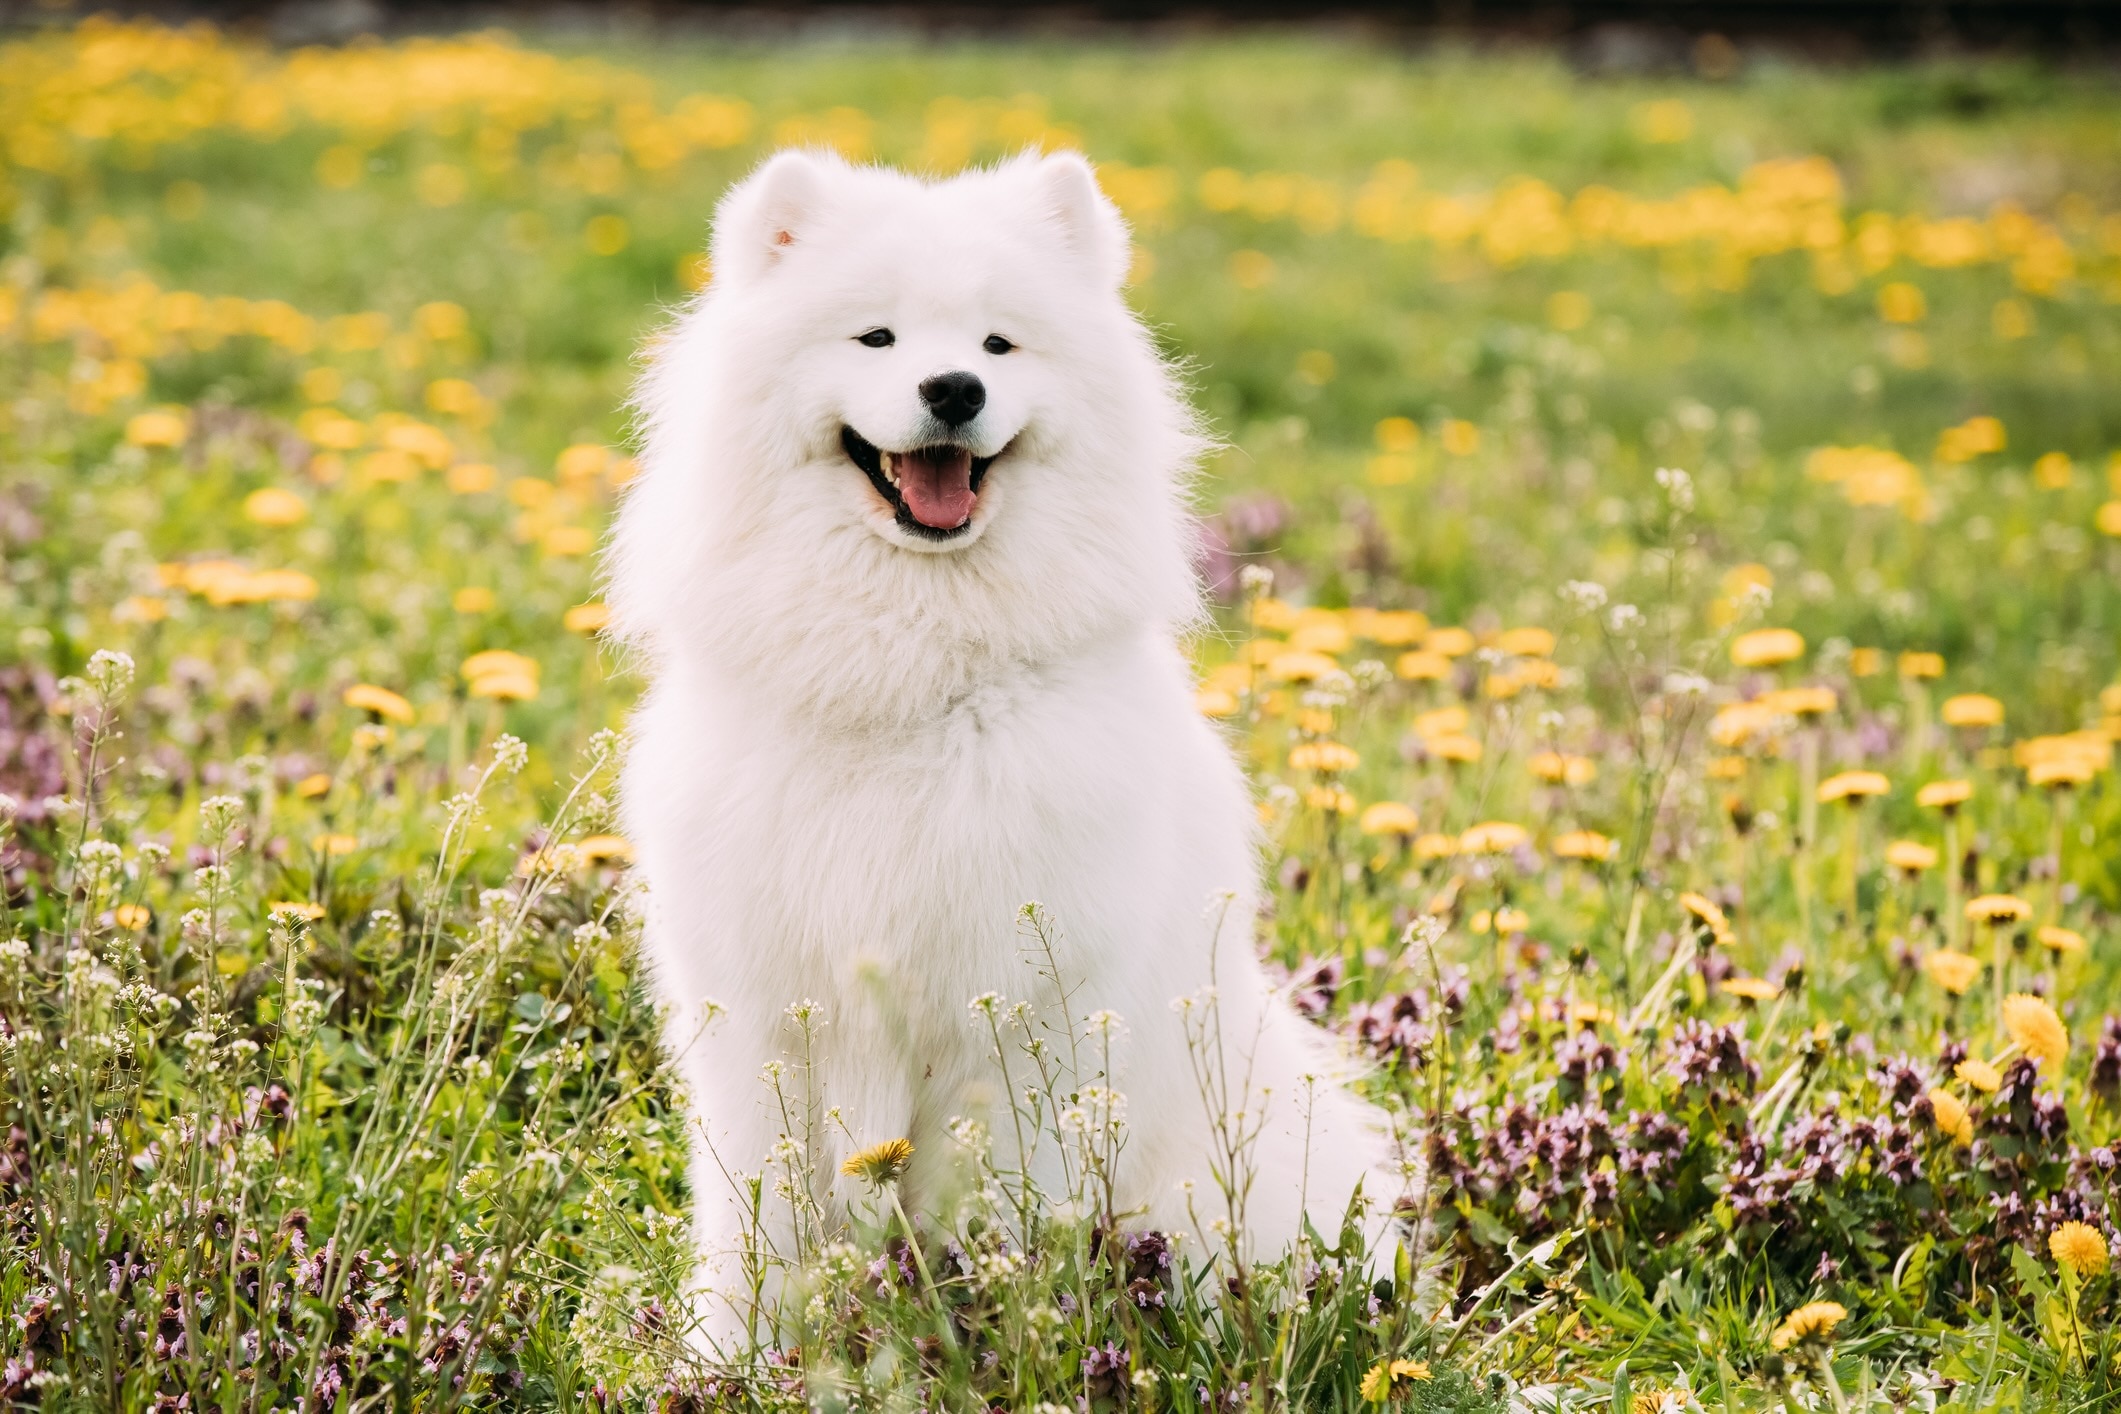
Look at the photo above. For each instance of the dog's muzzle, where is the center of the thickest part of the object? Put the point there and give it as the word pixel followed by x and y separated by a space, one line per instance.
pixel 931 490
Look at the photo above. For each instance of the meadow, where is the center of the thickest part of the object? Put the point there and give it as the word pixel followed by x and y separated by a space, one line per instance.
pixel 1665 559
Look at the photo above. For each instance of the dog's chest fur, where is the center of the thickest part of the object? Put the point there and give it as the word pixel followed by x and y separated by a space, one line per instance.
pixel 824 855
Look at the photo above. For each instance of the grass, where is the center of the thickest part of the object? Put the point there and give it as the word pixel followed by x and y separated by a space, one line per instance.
pixel 327 1079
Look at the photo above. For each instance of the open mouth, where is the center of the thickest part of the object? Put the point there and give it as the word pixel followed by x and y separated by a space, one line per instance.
pixel 931 490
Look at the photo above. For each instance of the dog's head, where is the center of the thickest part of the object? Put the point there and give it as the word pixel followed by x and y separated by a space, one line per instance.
pixel 926 393
pixel 921 330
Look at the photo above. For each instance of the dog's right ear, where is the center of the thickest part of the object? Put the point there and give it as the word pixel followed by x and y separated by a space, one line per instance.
pixel 765 215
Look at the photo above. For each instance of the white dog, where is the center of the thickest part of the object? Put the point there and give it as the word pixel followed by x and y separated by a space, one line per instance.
pixel 908 562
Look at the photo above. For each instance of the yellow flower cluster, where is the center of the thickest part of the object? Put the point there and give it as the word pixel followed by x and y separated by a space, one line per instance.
pixel 1778 206
pixel 133 87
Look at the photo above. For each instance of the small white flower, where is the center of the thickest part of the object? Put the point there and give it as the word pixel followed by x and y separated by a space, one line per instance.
pixel 1678 487
pixel 109 672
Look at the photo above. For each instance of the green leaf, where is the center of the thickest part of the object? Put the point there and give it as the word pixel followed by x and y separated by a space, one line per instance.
pixel 2031 1275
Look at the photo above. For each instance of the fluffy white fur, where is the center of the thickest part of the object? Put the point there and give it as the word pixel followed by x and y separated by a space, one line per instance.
pixel 862 751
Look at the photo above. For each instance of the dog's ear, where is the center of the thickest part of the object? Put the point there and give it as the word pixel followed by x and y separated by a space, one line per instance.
pixel 1086 220
pixel 765 215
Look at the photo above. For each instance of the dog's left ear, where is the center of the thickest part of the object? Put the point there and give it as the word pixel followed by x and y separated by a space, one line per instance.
pixel 1083 216
pixel 764 216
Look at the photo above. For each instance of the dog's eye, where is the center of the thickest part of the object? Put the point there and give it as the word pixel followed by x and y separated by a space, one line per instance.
pixel 996 344
pixel 879 339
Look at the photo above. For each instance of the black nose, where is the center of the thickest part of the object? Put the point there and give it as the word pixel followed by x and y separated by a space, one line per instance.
pixel 955 398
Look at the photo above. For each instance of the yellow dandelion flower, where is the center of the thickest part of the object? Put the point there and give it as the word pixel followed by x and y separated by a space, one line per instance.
pixel 1563 769
pixel 1328 636
pixel 1300 666
pixel 1423 666
pixel 313 785
pixel 599 849
pixel 505 687
pixel 1328 757
pixel 378 702
pixel 1454 746
pixel 1752 989
pixel 2063 771
pixel 1511 921
pixel 2092 750
pixel 1814 1322
pixel 1389 817
pixel 1800 701
pixel 1526 642
pixel 159 427
pixel 132 917
pixel 1451 642
pixel 1441 722
pixel 1396 628
pixel 1951 1117
pixel 2057 939
pixel 1853 786
pixel 2032 1023
pixel 1583 844
pixel 1274 615
pixel 1741 722
pixel 881 1163
pixel 1493 837
pixel 2079 1249
pixel 473 599
pixel 275 506
pixel 1944 795
pixel 587 618
pixel 1435 847
pixel 1215 702
pixel 1413 1370
pixel 1998 908
pixel 497 660
pixel 1979 1074
pixel 583 461
pixel 1971 709
pixel 1707 910
pixel 567 541
pixel 1377 1383
pixel 296 908
pixel 1910 856
pixel 1767 647
pixel 470 478
pixel 1953 971
pixel 1334 800
pixel 1921 665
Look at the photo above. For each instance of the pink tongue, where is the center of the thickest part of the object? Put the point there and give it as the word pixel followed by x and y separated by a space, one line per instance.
pixel 936 485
